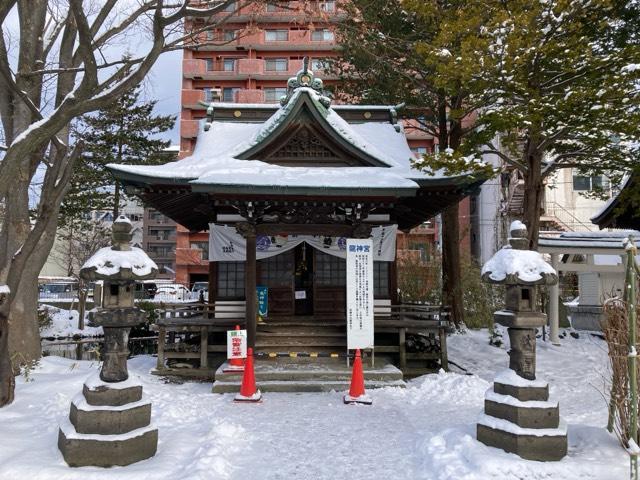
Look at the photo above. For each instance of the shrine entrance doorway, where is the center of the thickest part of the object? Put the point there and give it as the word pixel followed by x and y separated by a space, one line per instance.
pixel 303 280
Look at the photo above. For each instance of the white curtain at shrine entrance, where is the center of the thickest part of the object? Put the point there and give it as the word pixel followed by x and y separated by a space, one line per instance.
pixel 227 245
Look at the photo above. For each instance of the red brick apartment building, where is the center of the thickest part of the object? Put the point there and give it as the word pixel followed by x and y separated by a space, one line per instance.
pixel 249 60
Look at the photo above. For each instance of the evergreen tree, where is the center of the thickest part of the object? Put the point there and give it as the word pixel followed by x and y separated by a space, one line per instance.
pixel 563 77
pixel 122 133
pixel 422 54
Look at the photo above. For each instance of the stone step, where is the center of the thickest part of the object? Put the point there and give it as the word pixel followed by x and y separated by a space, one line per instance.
pixel 299 377
pixel 303 386
pixel 81 449
pixel 108 420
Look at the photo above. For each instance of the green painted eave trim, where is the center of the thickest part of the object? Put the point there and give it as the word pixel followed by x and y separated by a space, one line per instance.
pixel 306 191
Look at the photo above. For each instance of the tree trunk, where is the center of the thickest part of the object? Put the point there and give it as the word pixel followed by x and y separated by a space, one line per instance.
pixel 533 198
pixel 116 201
pixel 7 379
pixel 451 273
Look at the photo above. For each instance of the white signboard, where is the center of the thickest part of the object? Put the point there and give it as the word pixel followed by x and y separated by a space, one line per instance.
pixel 359 293
pixel 236 344
pixel 227 245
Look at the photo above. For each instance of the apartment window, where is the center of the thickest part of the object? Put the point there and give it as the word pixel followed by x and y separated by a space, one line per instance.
pixel 229 94
pixel 161 251
pixel 422 248
pixel 276 64
pixel 211 35
pixel 203 247
pixel 229 35
pixel 419 152
pixel 230 280
pixel 272 7
pixel 209 64
pixel 276 35
pixel 273 94
pixel 583 183
pixel 229 64
pixel 231 7
pixel 208 94
pixel 318 65
pixel 322 35
pixel 160 234
pixel 329 6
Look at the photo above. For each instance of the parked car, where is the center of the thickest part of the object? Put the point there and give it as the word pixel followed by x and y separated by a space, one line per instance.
pixel 200 287
pixel 172 292
pixel 146 290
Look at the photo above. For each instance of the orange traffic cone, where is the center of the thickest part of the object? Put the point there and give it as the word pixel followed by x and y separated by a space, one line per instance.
pixel 234 365
pixel 356 392
pixel 248 390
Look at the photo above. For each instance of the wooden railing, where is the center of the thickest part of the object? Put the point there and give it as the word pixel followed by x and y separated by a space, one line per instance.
pixel 203 319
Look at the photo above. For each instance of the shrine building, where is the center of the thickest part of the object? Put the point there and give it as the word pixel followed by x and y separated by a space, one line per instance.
pixel 281 187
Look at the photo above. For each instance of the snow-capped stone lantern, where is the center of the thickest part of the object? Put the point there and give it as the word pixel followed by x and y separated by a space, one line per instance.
pixel 519 417
pixel 109 422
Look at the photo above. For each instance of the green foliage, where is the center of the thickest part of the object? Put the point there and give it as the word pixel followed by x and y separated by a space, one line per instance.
pixel 563 80
pixel 420 282
pixel 152 315
pixel 122 133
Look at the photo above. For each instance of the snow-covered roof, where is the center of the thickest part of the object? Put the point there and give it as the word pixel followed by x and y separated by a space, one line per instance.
pixel 216 160
pixel 110 264
pixel 120 261
pixel 573 241
pixel 513 266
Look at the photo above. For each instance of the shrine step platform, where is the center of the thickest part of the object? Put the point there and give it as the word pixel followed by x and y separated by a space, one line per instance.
pixel 278 376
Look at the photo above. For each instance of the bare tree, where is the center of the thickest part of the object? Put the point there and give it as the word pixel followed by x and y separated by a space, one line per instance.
pixel 65 60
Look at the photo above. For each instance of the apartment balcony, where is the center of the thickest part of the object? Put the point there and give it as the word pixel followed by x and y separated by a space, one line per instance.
pixel 296 11
pixel 189 128
pixel 190 256
pixel 297 40
pixel 192 98
pixel 240 69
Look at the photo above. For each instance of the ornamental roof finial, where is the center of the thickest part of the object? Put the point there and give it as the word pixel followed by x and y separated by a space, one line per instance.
pixel 305 78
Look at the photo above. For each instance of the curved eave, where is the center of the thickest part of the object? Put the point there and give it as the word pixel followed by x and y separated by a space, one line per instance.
pixel 465 181
pixel 316 191
pixel 140 180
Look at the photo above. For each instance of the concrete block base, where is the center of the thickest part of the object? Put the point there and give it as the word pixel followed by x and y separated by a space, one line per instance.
pixel 525 417
pixel 81 450
pixel 530 447
pixel 108 425
pixel 524 394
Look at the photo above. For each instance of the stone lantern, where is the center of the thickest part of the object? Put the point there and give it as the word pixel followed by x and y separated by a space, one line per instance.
pixel 109 422
pixel 519 417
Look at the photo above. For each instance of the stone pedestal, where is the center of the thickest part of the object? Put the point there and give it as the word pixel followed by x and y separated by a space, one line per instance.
pixel 519 418
pixel 109 424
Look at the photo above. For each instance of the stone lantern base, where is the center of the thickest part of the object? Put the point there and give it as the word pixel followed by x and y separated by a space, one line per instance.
pixel 109 424
pixel 519 418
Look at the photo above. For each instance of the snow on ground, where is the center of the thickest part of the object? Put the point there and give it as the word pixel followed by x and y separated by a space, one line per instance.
pixel 64 323
pixel 426 431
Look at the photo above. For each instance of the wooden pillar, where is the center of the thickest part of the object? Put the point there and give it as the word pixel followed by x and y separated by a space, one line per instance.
pixel 248 231
pixel 554 294
pixel 213 288
pixel 162 332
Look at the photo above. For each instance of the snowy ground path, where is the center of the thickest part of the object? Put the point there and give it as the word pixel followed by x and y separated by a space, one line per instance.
pixel 426 431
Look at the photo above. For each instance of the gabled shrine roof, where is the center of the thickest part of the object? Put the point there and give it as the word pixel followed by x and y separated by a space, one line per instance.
pixel 227 157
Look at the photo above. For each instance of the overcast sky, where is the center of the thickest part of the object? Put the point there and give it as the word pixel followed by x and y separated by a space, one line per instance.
pixel 164 84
